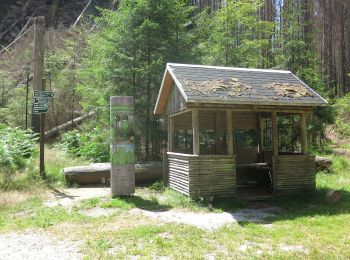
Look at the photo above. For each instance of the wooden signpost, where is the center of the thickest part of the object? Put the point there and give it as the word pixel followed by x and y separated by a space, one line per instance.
pixel 40 106
pixel 38 63
pixel 122 146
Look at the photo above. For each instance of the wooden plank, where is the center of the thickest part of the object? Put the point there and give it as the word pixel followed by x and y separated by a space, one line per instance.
pixel 181 113
pixel 229 132
pixel 251 108
pixel 295 173
pixel 175 100
pixel 164 93
pixel 195 131
pixel 171 134
pixel 202 175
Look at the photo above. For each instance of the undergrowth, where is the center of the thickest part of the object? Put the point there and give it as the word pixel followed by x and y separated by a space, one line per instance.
pixel 28 178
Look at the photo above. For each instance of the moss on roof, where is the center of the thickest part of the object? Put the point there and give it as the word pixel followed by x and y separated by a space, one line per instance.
pixel 232 87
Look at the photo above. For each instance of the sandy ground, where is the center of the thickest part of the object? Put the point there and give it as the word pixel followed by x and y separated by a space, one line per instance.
pixel 38 244
pixel 34 244
pixel 211 221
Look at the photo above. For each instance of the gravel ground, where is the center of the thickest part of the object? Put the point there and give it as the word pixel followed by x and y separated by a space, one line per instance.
pixel 37 245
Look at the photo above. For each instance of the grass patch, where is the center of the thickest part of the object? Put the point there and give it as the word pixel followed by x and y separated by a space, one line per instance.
pixel 118 203
pixel 149 199
pixel 89 203
pixel 341 164
pixel 33 214
pixel 149 241
pixel 29 179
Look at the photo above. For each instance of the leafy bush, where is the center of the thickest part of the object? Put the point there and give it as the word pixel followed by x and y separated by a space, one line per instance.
pixel 89 142
pixel 157 186
pixel 342 122
pixel 17 148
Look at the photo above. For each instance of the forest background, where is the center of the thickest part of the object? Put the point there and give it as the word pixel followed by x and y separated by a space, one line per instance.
pixel 121 48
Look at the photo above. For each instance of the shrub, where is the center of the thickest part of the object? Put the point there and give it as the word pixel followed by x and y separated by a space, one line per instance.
pixel 89 142
pixel 17 148
pixel 342 107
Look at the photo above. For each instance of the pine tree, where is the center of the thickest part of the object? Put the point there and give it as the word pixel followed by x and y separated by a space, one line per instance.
pixel 131 51
pixel 236 35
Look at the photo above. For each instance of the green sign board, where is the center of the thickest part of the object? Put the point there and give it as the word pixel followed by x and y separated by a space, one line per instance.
pixel 41 101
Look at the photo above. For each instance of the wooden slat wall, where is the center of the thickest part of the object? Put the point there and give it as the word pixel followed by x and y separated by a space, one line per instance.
pixel 295 173
pixel 179 173
pixel 212 176
pixel 176 101
pixel 202 176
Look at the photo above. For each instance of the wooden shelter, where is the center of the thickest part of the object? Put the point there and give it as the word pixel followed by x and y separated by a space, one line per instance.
pixel 223 134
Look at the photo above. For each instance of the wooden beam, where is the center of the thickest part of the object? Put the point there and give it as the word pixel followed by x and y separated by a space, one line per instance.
pixel 261 137
pixel 217 132
pixel 251 108
pixel 180 113
pixel 195 132
pixel 303 133
pixel 274 149
pixel 171 134
pixel 274 133
pixel 229 132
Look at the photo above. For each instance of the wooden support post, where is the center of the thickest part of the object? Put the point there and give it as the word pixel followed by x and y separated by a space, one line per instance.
pixel 303 133
pixel 165 148
pixel 27 94
pixel 261 137
pixel 171 134
pixel 217 133
pixel 229 132
pixel 195 132
pixel 274 134
pixel 274 149
pixel 38 63
pixel 42 138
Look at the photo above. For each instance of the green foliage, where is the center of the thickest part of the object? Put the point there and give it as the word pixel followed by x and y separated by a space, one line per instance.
pixel 342 108
pixel 17 148
pixel 128 55
pixel 89 141
pixel 157 186
pixel 341 165
pixel 234 35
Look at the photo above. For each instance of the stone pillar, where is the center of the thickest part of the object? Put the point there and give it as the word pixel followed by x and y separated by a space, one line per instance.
pixel 122 145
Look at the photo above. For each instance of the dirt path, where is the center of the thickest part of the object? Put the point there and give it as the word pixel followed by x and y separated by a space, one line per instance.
pixel 211 221
pixel 69 197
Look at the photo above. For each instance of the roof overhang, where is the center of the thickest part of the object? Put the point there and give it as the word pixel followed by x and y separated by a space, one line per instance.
pixel 165 88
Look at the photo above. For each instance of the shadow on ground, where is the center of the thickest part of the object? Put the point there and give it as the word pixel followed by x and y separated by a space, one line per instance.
pixel 313 204
pixel 145 204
